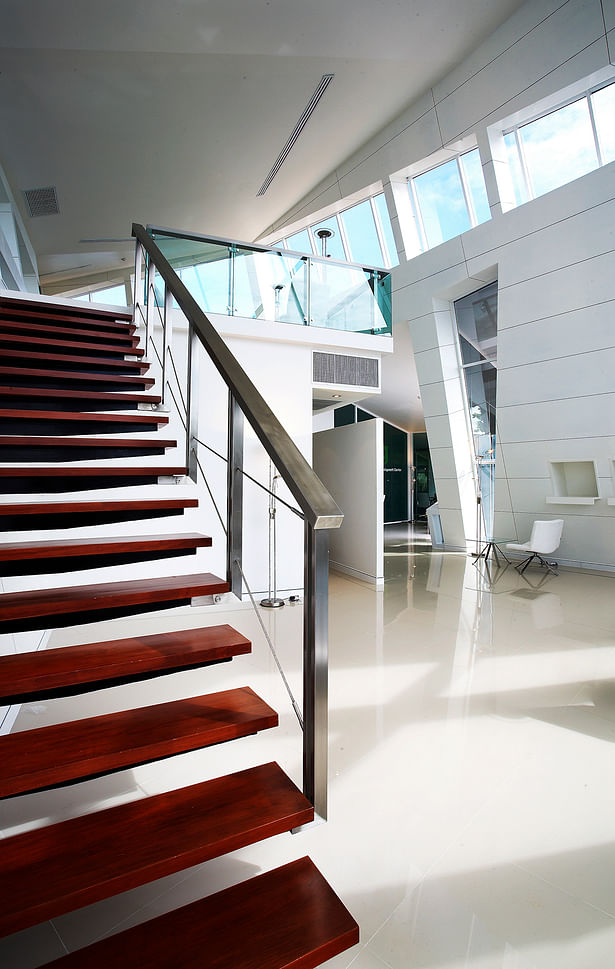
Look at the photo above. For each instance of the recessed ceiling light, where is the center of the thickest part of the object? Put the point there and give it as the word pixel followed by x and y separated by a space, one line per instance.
pixel 336 396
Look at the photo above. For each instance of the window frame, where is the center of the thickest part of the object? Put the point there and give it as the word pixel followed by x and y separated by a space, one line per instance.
pixel 388 258
pixel 467 195
pixel 527 187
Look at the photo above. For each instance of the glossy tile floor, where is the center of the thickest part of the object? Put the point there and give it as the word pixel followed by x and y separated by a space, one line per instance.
pixel 472 786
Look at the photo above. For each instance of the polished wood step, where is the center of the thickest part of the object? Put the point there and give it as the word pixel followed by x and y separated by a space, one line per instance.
pixel 68 332
pixel 77 514
pixel 35 422
pixel 76 309
pixel 288 918
pixel 32 760
pixel 99 552
pixel 77 669
pixel 41 377
pixel 11 308
pixel 55 869
pixel 35 479
pixel 51 608
pixel 53 345
pixel 40 448
pixel 43 398
pixel 69 361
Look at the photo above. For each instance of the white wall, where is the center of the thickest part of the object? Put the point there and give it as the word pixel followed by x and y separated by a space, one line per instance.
pixel 349 461
pixel 554 259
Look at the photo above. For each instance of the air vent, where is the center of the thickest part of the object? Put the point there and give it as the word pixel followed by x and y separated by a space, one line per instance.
pixel 42 201
pixel 301 123
pixel 337 368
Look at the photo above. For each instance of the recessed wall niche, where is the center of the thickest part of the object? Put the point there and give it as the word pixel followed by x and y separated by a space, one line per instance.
pixel 574 483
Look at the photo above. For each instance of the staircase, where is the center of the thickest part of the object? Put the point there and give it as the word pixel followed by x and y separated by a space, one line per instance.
pixel 71 384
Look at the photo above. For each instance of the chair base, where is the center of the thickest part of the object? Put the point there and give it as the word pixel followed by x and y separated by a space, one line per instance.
pixel 551 566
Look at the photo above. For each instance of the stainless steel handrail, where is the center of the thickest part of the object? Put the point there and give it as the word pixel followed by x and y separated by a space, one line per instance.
pixel 320 511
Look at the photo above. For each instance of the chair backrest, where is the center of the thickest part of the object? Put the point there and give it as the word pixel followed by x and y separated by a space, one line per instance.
pixel 546 536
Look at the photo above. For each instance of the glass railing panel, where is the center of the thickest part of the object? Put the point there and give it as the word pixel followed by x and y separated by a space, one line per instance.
pixel 270 286
pixel 204 268
pixel 278 285
pixel 342 299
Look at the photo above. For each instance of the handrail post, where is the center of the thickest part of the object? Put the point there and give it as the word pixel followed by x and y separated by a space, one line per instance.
pixel 149 310
pixel 308 291
pixel 192 402
pixel 315 667
pixel 235 497
pixel 166 339
pixel 137 297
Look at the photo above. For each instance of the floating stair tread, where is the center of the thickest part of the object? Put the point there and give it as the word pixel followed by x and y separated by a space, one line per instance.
pixel 39 326
pixel 55 869
pixel 83 507
pixel 62 752
pixel 85 361
pixel 112 322
pixel 52 670
pixel 107 595
pixel 88 397
pixel 66 345
pixel 68 471
pixel 83 417
pixel 97 545
pixel 288 918
pixel 13 440
pixel 33 373
pixel 39 307
pixel 152 506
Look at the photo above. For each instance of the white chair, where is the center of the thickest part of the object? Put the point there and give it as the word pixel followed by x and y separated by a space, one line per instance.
pixel 544 540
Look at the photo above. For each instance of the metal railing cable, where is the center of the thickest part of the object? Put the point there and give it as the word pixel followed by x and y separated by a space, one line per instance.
pixel 213 500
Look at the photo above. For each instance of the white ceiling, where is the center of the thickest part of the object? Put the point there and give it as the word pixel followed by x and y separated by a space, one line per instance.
pixel 172 112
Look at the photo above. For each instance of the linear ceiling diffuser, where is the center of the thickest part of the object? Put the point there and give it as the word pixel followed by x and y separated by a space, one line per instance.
pixel 301 123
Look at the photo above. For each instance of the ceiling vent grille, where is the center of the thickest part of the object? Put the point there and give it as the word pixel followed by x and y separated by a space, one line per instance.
pixel 338 368
pixel 42 201
pixel 301 123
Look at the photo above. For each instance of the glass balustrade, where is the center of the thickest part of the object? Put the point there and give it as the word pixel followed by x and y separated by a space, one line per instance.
pixel 278 285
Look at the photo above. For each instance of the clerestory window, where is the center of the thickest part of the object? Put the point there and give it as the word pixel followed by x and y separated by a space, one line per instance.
pixel 562 145
pixel 449 199
pixel 361 233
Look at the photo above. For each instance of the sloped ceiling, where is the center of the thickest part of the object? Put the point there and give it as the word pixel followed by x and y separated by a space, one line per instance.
pixel 173 111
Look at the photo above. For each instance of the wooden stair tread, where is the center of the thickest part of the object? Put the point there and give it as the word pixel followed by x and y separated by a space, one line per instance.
pixel 49 311
pixel 57 868
pixel 107 595
pixel 61 547
pixel 52 330
pixel 34 759
pixel 288 918
pixel 53 670
pixel 77 308
pixel 61 471
pixel 7 440
pixel 67 375
pixel 89 397
pixel 44 341
pixel 83 417
pixel 101 363
pixel 74 507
